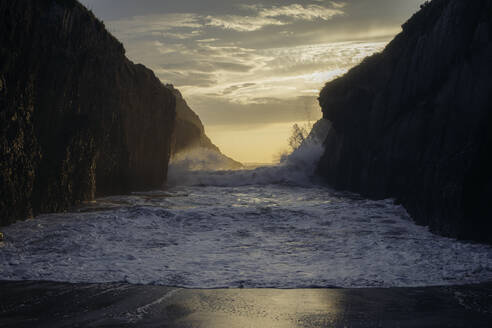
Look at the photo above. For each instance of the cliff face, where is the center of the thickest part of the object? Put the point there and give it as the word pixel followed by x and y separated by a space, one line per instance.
pixel 190 136
pixel 77 118
pixel 415 121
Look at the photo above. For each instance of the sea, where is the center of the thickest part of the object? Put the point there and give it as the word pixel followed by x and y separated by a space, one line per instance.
pixel 274 226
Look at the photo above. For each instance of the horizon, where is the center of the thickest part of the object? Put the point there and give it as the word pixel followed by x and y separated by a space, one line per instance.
pixel 252 69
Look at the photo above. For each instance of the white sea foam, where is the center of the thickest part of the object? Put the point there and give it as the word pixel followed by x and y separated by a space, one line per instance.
pixel 253 236
pixel 267 227
pixel 202 159
pixel 298 168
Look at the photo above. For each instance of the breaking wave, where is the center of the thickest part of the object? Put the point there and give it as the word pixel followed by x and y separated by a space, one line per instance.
pixel 199 170
pixel 272 226
pixel 278 236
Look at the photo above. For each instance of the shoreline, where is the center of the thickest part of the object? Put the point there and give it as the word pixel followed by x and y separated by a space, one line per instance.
pixel 52 304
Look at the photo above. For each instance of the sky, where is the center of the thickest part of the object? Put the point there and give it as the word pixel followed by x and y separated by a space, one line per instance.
pixel 252 68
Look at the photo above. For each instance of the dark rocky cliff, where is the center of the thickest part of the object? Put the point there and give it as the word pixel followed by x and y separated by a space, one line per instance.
pixel 415 121
pixel 77 118
pixel 190 135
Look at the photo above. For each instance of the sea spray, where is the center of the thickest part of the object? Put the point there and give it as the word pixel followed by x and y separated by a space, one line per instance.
pixel 264 227
pixel 198 160
pixel 298 168
pixel 203 168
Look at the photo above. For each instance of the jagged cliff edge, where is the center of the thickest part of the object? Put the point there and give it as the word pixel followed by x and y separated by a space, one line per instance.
pixel 414 122
pixel 192 149
pixel 77 118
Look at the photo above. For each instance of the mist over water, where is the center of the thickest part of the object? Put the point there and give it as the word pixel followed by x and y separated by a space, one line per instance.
pixel 271 226
pixel 202 170
pixel 202 167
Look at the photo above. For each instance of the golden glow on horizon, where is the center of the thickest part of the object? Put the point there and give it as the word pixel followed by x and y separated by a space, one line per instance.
pixel 253 144
pixel 286 82
pixel 245 69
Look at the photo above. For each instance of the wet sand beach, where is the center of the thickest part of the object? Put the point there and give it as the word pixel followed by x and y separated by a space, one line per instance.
pixel 47 304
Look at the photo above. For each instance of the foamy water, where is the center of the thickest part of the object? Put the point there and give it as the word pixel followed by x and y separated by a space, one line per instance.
pixel 268 227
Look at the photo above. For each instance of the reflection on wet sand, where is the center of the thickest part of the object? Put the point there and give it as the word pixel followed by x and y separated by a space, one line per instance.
pixel 259 308
pixel 45 304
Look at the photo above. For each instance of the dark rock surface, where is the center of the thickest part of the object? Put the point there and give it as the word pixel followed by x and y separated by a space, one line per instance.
pixel 46 304
pixel 190 134
pixel 415 121
pixel 77 118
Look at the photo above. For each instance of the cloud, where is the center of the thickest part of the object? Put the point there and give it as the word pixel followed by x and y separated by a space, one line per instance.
pixel 252 76
pixel 272 16
pixel 242 23
pixel 187 78
pixel 231 66
pixel 210 40
pixel 163 24
pixel 259 64
pixel 236 87
pixel 228 67
pixel 187 25
pixel 221 111
pixel 300 12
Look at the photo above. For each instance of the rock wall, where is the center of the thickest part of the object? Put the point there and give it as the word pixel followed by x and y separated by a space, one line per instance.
pixel 77 118
pixel 190 136
pixel 415 121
